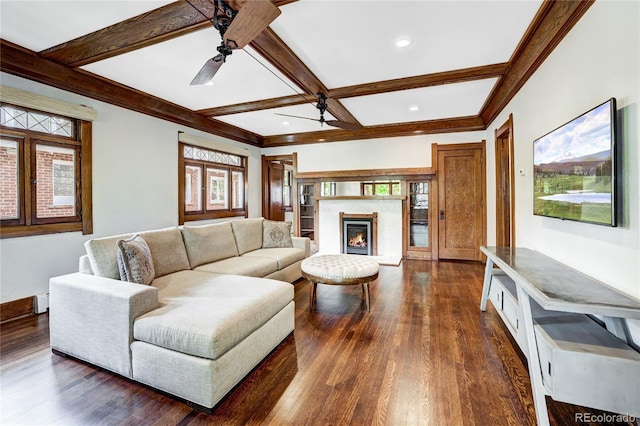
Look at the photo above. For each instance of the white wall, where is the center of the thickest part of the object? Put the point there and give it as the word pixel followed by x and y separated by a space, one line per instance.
pixel 597 60
pixel 135 188
pixel 385 153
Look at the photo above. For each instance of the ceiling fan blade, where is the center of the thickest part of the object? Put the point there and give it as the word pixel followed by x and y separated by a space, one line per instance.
pixel 297 116
pixel 343 125
pixel 208 70
pixel 252 18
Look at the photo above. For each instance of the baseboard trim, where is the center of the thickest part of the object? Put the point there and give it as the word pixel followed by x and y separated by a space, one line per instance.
pixel 16 309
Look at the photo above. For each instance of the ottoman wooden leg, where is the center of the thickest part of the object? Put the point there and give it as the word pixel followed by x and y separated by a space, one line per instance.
pixel 365 291
pixel 312 294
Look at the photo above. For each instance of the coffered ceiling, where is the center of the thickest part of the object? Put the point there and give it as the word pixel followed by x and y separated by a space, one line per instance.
pixel 465 60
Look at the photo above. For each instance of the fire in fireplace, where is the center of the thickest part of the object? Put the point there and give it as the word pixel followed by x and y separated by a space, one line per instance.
pixel 357 236
pixel 358 241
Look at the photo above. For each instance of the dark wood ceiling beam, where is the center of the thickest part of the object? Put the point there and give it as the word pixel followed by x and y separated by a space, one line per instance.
pixel 274 50
pixel 458 124
pixel 435 79
pixel 420 81
pixel 552 22
pixel 27 64
pixel 155 26
pixel 258 105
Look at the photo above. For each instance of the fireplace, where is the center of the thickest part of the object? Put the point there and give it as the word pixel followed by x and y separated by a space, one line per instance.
pixel 358 233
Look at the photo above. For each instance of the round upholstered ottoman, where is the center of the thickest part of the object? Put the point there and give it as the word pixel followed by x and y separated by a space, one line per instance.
pixel 339 269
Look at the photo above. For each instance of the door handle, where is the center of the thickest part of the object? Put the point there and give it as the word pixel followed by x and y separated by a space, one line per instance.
pixel 441 214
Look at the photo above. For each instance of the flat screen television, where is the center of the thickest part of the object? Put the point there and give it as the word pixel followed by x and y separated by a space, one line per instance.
pixel 574 168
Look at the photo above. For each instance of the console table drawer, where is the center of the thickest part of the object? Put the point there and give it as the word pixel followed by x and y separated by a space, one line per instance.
pixel 582 363
pixel 496 293
pixel 505 299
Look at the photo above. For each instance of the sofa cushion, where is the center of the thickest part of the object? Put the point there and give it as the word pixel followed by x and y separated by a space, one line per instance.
pixel 276 234
pixel 103 255
pixel 134 261
pixel 205 315
pixel 284 256
pixel 251 267
pixel 209 243
pixel 248 234
pixel 167 250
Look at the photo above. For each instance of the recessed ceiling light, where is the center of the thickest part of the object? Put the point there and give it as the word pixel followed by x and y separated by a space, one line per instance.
pixel 285 123
pixel 403 42
pixel 414 108
pixel 209 83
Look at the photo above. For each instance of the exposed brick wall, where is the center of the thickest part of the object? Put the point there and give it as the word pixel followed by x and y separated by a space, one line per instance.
pixel 218 203
pixel 191 203
pixel 237 193
pixel 8 182
pixel 44 176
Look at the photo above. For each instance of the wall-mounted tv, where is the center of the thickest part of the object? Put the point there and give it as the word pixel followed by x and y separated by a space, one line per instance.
pixel 574 168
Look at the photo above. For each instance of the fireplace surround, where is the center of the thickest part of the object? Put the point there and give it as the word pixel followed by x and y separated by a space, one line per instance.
pixel 358 233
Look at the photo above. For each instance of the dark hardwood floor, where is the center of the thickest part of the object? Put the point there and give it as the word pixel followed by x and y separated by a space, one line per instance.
pixel 423 355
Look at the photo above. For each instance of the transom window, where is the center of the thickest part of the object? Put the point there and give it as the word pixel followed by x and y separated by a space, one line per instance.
pixel 213 184
pixel 327 189
pixel 381 188
pixel 23 119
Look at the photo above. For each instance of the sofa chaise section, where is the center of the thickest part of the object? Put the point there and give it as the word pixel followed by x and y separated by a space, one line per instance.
pixel 208 335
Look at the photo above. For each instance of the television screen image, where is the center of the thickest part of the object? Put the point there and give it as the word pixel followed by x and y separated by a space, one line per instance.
pixel 574 168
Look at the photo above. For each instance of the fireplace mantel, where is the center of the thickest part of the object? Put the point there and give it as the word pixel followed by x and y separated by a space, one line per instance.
pixel 364 197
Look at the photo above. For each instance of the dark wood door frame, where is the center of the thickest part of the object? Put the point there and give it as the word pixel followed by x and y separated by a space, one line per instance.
pixel 435 191
pixel 505 185
pixel 275 196
pixel 266 190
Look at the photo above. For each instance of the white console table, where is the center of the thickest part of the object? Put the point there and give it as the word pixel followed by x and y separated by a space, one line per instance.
pixel 571 358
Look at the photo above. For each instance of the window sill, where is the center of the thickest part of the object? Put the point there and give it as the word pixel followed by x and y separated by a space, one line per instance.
pixel 217 215
pixel 26 231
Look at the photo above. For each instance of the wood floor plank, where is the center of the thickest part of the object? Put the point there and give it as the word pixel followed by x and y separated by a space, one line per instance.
pixel 423 355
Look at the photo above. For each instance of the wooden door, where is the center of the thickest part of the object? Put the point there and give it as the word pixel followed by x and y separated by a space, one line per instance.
pixel 461 227
pixel 275 183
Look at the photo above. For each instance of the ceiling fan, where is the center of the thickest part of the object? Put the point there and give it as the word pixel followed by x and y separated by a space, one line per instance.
pixel 322 106
pixel 237 29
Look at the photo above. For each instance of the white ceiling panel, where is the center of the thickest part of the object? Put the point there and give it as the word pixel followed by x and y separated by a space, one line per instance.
pixel 38 25
pixel 350 42
pixel 267 123
pixel 166 69
pixel 429 103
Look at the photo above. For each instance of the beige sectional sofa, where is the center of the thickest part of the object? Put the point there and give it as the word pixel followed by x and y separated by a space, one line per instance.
pixel 219 302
